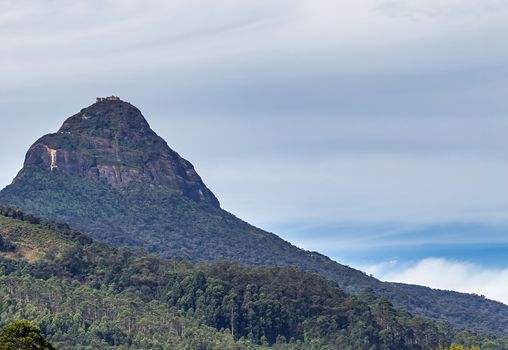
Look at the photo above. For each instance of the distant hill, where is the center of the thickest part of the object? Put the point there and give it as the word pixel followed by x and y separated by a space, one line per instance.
pixel 87 295
pixel 108 174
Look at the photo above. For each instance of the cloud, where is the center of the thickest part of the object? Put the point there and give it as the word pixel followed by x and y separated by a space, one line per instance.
pixel 263 57
pixel 447 274
pixel 59 41
pixel 349 169
pixel 444 10
pixel 296 113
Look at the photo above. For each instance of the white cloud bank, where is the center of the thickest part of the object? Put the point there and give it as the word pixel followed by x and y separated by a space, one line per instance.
pixel 446 274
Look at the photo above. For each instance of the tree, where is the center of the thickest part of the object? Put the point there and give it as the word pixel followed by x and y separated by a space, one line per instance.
pixel 6 246
pixel 23 335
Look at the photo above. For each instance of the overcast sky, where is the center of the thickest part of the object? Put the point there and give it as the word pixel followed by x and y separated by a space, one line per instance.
pixel 373 131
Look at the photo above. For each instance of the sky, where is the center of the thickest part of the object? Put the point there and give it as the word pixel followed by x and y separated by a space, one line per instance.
pixel 373 131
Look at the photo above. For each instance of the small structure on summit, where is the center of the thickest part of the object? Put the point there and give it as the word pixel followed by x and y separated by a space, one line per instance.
pixel 109 98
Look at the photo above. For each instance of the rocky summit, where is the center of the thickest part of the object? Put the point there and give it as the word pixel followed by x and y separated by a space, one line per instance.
pixel 111 140
pixel 106 173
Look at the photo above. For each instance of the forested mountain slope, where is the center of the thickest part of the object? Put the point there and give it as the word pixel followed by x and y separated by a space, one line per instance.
pixel 86 295
pixel 108 174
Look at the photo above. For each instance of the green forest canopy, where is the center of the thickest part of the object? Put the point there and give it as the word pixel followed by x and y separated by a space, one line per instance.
pixel 86 295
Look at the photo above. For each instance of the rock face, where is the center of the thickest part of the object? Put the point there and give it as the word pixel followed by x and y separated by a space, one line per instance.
pixel 112 140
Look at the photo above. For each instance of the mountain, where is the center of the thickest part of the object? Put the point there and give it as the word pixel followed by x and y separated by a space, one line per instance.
pixel 112 141
pixel 85 294
pixel 105 172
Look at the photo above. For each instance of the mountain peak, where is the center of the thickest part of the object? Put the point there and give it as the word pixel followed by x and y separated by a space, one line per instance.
pixel 107 113
pixel 112 140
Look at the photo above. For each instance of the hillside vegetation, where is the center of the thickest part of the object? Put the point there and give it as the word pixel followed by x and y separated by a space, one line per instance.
pixel 159 221
pixel 86 295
